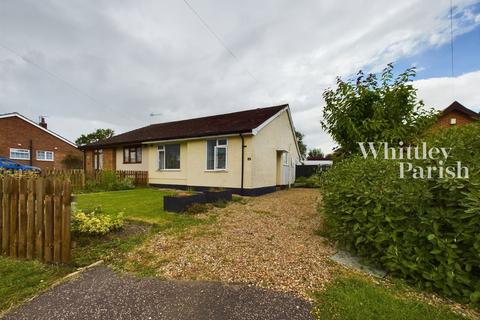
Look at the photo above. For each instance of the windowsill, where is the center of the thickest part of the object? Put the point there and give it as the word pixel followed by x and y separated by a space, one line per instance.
pixel 217 170
pixel 20 159
pixel 45 160
pixel 169 170
pixel 132 163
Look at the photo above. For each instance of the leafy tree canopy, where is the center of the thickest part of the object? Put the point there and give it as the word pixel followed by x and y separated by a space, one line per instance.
pixel 316 152
pixel 301 145
pixel 371 109
pixel 98 135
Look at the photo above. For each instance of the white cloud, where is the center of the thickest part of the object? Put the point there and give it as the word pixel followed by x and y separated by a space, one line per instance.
pixel 440 92
pixel 135 58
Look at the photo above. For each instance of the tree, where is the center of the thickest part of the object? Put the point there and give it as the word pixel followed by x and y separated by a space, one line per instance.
pixel 301 145
pixel 98 135
pixel 315 153
pixel 71 161
pixel 371 109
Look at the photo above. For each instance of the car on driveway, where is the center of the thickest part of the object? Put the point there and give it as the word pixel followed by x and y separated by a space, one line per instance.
pixel 7 165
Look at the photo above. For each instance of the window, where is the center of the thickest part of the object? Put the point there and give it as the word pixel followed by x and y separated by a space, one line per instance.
pixel 20 154
pixel 285 158
pixel 217 154
pixel 132 155
pixel 453 121
pixel 169 157
pixel 98 159
pixel 44 155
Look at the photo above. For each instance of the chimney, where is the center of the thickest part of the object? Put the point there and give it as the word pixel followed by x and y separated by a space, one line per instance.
pixel 42 122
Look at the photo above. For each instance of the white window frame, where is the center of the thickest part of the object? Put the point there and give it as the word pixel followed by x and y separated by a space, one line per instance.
pixel 25 151
pixel 161 148
pixel 215 154
pixel 45 152
pixel 453 121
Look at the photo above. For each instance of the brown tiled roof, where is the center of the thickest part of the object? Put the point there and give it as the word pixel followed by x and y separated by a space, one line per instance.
pixel 228 123
pixel 457 106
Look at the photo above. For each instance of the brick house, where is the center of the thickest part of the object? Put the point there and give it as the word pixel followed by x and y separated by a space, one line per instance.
pixel 27 142
pixel 456 115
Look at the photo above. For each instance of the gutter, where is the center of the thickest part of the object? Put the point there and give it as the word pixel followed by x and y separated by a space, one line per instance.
pixel 243 163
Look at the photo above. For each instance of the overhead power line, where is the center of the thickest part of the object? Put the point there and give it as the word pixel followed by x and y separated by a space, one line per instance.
pixel 57 77
pixel 223 44
pixel 451 36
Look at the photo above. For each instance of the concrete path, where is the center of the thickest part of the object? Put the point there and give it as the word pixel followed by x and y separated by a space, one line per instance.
pixel 102 294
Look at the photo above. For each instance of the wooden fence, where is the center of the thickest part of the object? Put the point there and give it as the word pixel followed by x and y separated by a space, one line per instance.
pixel 76 176
pixel 139 178
pixel 35 218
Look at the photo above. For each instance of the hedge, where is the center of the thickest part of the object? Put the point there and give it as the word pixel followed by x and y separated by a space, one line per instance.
pixel 424 230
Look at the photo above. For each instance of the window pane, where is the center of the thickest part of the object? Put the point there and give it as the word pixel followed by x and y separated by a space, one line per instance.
pixel 161 160
pixel 221 158
pixel 172 156
pixel 133 155
pixel 210 154
pixel 139 154
pixel 125 155
pixel 49 155
pixel 23 154
pixel 222 142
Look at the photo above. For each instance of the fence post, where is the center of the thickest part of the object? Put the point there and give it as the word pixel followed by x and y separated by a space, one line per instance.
pixel 30 218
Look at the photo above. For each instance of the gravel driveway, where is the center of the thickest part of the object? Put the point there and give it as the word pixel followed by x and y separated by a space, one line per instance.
pixel 102 294
pixel 270 242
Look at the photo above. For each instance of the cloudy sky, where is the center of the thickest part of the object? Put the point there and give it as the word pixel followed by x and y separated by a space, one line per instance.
pixel 97 64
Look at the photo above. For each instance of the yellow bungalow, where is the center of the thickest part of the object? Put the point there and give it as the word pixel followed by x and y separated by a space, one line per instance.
pixel 251 152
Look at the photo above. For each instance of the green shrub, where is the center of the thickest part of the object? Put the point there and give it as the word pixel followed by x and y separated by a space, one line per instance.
pixel 96 222
pixel 314 181
pixel 239 199
pixel 425 230
pixel 108 181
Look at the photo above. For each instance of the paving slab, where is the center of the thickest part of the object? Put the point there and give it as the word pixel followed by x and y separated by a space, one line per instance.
pixel 347 259
pixel 100 293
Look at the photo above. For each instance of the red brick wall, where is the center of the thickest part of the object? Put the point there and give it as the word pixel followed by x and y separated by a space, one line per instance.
pixel 444 120
pixel 17 133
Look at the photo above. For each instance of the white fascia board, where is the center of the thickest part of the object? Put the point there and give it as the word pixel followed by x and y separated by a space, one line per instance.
pixel 9 115
pixel 266 122
pixel 269 120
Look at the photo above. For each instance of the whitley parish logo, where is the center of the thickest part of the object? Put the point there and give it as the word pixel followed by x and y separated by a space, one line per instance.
pixel 405 154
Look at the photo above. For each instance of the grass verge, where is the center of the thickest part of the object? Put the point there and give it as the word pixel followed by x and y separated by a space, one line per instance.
pixel 20 279
pixel 350 298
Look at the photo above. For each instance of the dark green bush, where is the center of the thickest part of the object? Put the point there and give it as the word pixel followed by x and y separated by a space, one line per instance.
pixel 425 230
pixel 314 181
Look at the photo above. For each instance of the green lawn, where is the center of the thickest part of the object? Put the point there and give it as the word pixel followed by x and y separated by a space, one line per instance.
pixel 21 279
pixel 352 298
pixel 143 209
pixel 144 204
